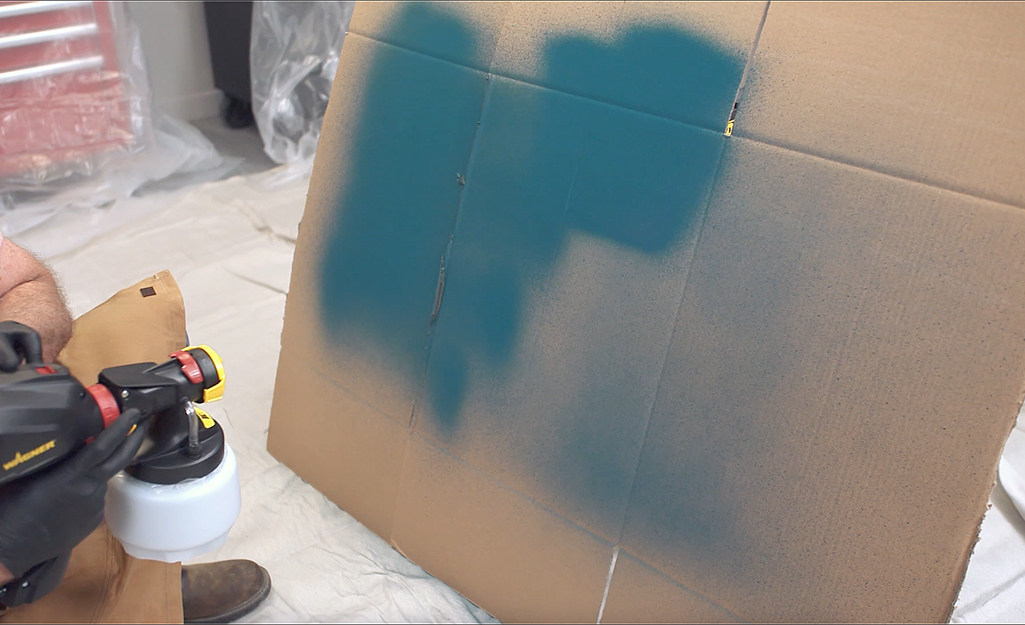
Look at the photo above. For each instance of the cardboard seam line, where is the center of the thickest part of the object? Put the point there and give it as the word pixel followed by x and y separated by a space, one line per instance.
pixel 672 580
pixel 493 74
pixel 654 400
pixel 447 253
pixel 517 492
pixel 706 205
pixel 351 393
pixel 896 176
pixel 438 304
pixel 608 582
pixel 371 37
pixel 491 478
pixel 747 68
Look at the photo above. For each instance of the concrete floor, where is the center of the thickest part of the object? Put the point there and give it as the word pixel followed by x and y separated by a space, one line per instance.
pixel 244 143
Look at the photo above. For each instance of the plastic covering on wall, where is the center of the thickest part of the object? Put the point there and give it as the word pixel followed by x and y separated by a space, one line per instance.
pixel 77 130
pixel 73 92
pixel 294 52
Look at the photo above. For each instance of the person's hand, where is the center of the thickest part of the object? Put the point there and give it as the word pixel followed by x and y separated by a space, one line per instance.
pixel 19 342
pixel 47 514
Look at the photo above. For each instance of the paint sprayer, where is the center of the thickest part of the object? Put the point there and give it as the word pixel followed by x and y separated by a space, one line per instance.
pixel 180 495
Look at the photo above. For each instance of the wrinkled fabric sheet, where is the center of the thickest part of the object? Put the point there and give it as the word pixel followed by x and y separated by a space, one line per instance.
pixel 229 244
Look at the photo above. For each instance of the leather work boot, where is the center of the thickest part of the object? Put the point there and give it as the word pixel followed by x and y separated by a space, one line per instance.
pixel 221 592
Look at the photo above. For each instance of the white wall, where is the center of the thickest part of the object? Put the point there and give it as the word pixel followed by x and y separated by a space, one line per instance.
pixel 178 57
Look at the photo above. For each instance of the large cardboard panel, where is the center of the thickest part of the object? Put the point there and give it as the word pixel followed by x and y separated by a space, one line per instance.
pixel 319 426
pixel 846 366
pixel 522 562
pixel 779 383
pixel 929 91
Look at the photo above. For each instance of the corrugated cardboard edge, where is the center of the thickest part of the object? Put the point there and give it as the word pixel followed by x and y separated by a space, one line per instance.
pixel 986 507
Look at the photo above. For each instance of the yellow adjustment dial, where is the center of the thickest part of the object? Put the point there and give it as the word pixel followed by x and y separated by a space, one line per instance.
pixel 216 391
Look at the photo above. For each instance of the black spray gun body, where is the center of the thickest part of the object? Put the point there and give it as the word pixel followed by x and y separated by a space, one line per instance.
pixel 46 415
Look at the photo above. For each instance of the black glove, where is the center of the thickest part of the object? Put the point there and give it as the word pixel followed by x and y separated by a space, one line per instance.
pixel 18 342
pixel 47 514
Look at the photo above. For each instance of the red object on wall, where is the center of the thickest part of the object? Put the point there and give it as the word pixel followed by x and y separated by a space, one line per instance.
pixel 63 100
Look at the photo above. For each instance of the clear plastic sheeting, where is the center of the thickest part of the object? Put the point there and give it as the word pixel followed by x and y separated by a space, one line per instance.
pixel 293 56
pixel 79 141
pixel 123 190
pixel 73 93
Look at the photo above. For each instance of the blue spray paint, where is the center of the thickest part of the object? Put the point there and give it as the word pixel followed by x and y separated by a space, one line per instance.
pixel 620 141
pixel 398 207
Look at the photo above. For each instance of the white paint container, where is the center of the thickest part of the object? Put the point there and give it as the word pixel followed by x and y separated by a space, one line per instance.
pixel 174 522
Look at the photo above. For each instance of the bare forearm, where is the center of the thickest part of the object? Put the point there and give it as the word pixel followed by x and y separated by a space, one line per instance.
pixel 5 575
pixel 39 305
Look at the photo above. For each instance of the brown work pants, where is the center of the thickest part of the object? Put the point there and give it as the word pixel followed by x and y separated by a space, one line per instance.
pixel 143 323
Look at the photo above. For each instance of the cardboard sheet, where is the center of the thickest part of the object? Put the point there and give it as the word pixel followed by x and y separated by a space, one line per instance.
pixel 771 374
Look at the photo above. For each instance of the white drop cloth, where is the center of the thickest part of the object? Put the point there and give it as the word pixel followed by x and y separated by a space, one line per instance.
pixel 229 244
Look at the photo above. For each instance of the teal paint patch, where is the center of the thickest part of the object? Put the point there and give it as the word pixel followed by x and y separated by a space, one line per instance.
pixel 640 181
pixel 434 31
pixel 546 166
pixel 656 69
pixel 397 209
